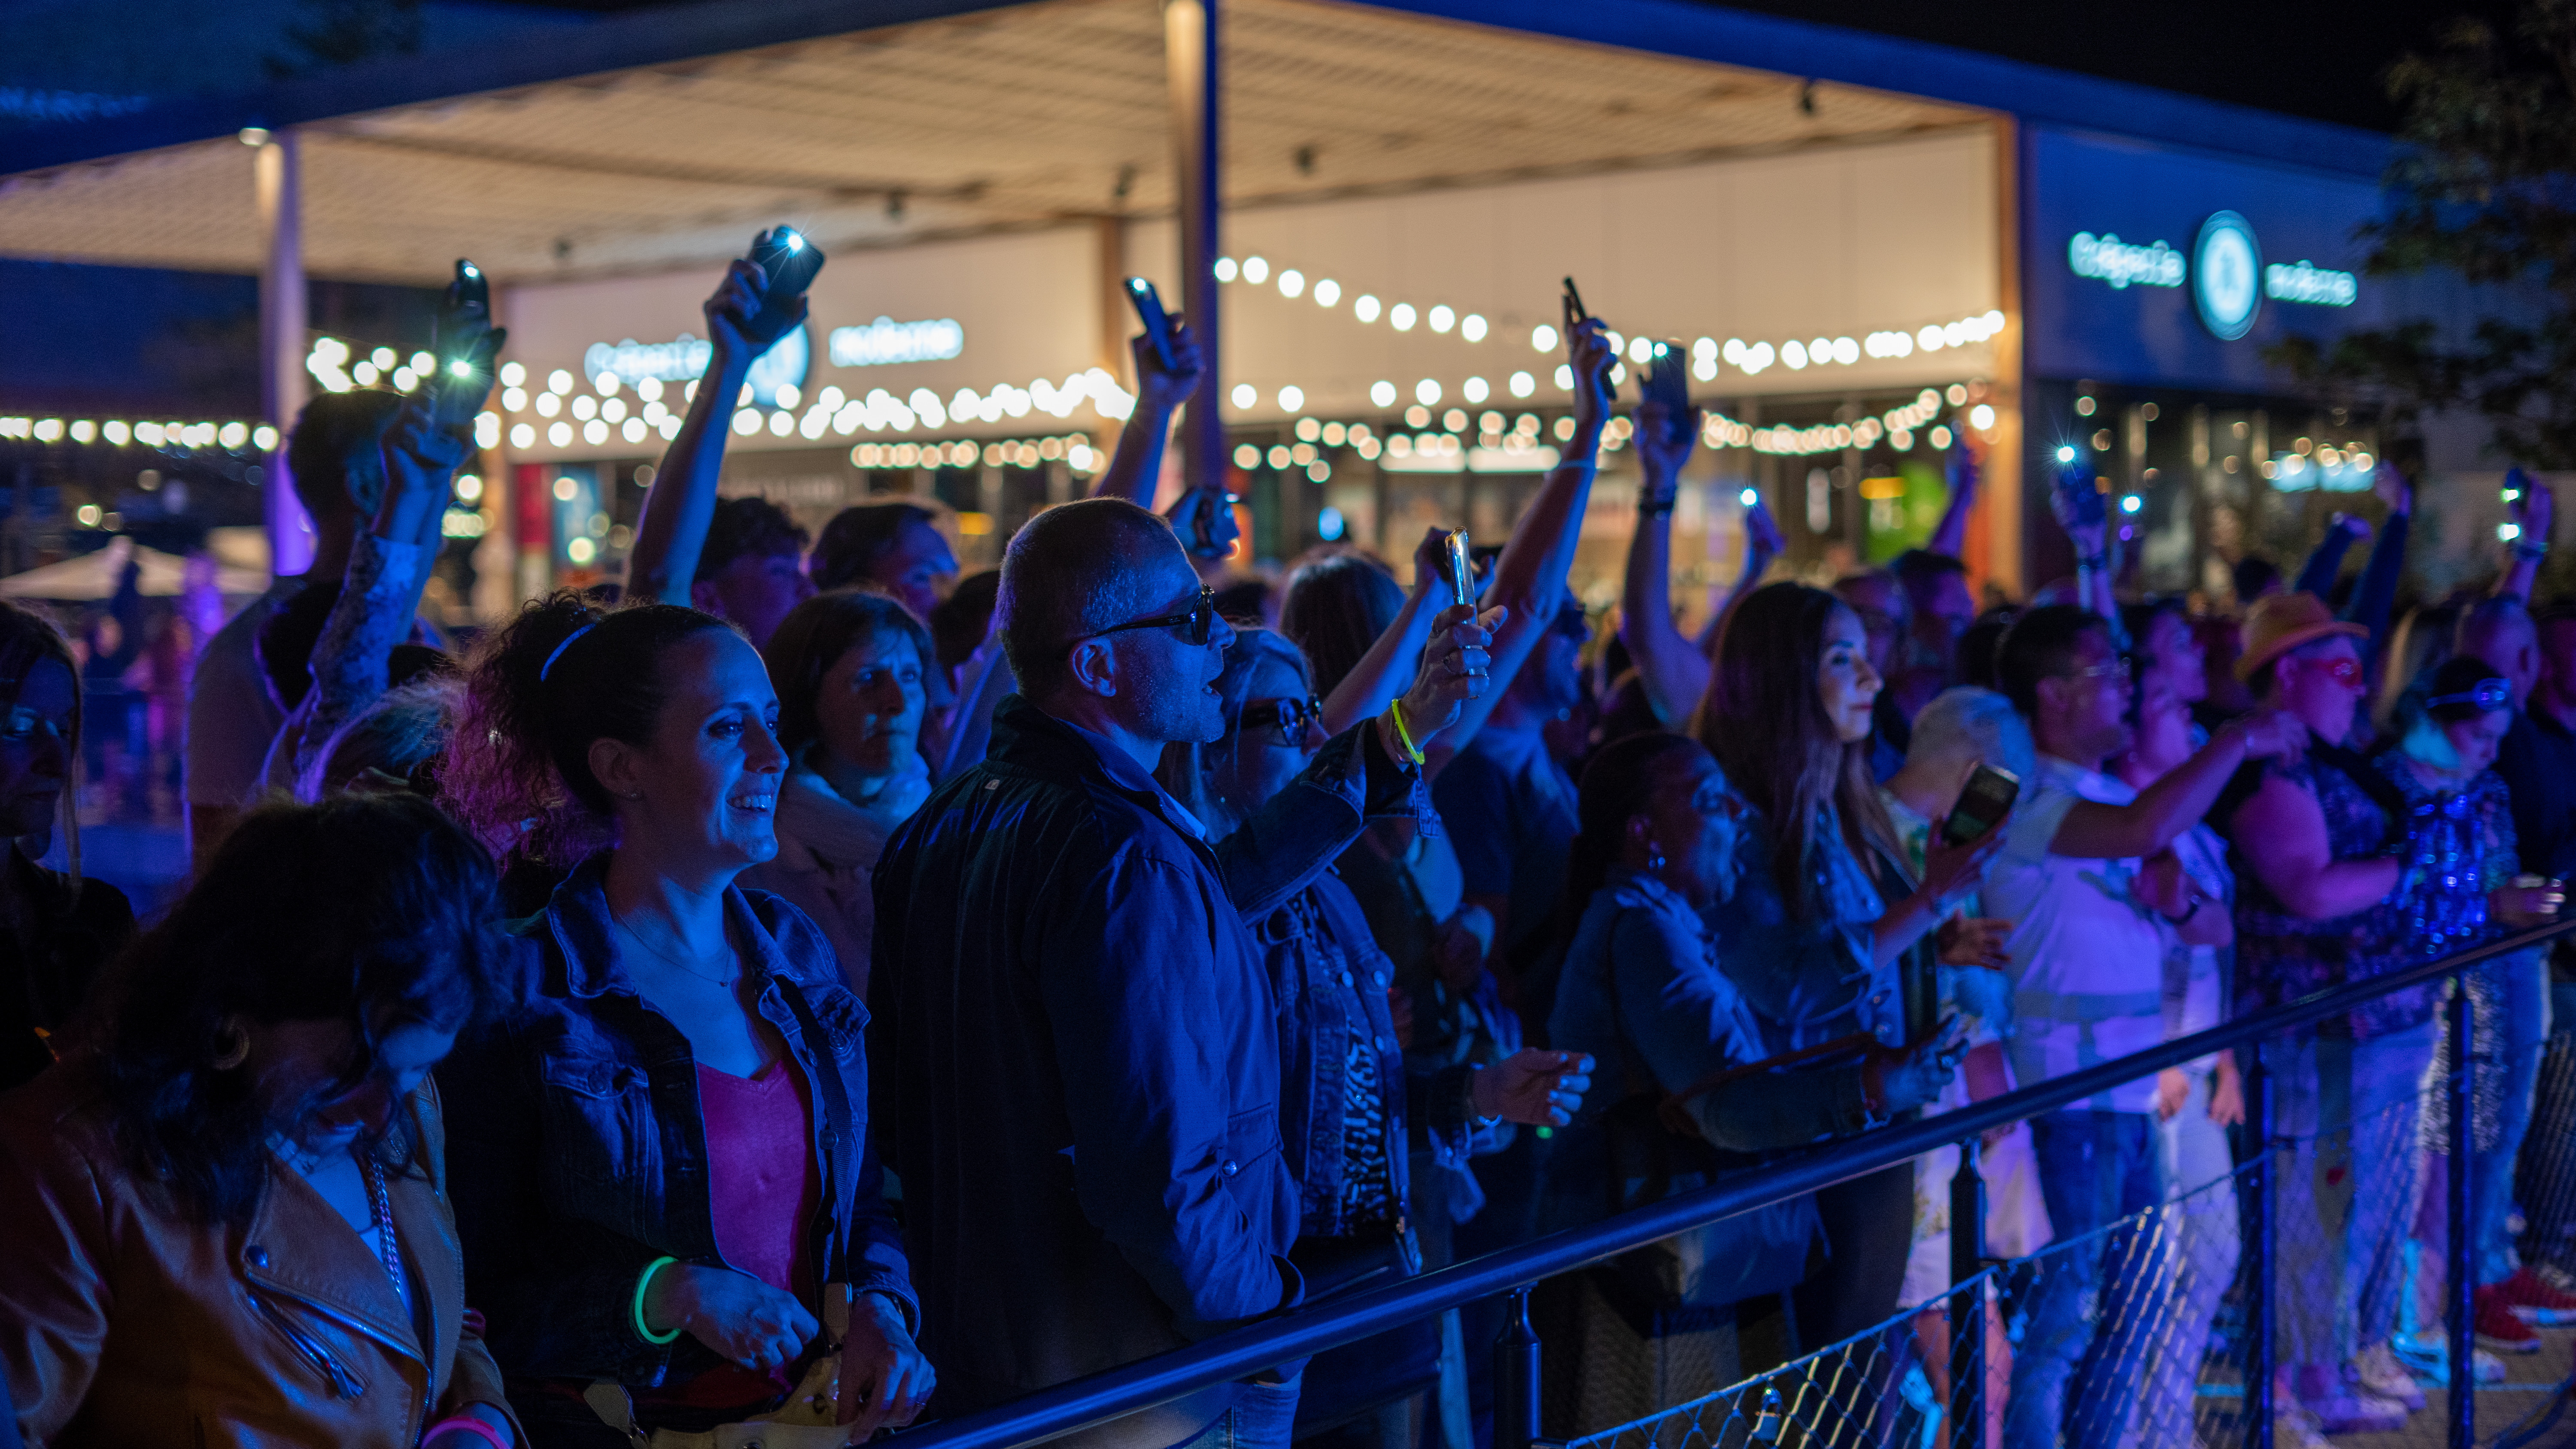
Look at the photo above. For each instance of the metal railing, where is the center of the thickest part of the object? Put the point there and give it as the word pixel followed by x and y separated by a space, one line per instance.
pixel 1510 1273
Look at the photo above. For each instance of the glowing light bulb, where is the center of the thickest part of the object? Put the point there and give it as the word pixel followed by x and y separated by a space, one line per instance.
pixel 1542 338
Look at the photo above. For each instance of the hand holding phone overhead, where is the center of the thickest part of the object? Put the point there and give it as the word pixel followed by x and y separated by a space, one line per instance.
pixel 788 261
pixel 464 341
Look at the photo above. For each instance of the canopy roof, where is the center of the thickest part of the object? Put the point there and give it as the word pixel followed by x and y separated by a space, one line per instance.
pixel 665 138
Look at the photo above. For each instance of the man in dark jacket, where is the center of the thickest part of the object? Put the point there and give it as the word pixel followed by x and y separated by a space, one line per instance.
pixel 1079 1060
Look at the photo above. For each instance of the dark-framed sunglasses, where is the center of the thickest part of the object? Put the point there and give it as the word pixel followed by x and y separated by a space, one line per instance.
pixel 2486 694
pixel 1287 718
pixel 1195 626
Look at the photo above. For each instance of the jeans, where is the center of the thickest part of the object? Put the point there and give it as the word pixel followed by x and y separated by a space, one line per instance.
pixel 2347 1184
pixel 1261 1416
pixel 2520 989
pixel 2076 1370
pixel 2200 1221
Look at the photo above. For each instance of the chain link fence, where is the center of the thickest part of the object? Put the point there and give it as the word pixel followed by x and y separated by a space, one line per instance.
pixel 2136 1334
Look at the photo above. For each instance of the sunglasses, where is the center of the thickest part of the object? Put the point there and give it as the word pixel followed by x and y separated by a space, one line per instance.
pixel 2486 694
pixel 1288 718
pixel 2346 672
pixel 1195 626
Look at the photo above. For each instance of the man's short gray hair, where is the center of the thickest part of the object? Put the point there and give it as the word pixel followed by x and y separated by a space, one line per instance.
pixel 1071 571
pixel 1973 724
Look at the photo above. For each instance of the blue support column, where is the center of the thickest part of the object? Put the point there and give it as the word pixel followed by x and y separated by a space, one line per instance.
pixel 1516 1374
pixel 1968 1307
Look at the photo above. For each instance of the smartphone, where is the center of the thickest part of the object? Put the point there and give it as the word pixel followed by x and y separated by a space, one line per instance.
pixel 471 292
pixel 1574 305
pixel 1664 380
pixel 1982 806
pixel 1462 569
pixel 1158 323
pixel 790 260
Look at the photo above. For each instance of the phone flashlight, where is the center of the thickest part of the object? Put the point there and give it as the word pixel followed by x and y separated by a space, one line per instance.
pixel 1750 498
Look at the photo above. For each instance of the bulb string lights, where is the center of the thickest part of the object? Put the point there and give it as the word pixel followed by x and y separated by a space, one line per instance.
pixel 233 437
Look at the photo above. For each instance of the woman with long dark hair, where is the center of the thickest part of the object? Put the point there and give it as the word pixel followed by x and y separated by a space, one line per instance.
pixel 1827 908
pixel 663 1169
pixel 1346 1095
pixel 1643 991
pixel 850 671
pixel 227 1207
pixel 57 929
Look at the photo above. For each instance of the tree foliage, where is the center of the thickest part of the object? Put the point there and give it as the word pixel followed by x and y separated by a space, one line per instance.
pixel 332 33
pixel 2483 187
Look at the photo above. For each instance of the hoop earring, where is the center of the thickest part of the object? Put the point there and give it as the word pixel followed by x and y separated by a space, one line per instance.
pixel 232 1048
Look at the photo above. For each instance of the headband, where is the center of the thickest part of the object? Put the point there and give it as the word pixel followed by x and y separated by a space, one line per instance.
pixel 549 666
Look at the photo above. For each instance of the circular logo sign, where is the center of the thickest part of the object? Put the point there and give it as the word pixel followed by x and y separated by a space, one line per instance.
pixel 2227 275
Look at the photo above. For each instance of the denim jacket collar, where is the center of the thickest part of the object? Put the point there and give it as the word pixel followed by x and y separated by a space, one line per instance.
pixel 1029 739
pixel 593 965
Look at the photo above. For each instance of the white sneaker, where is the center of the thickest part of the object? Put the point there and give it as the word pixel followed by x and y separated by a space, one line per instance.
pixel 2378 1372
pixel 2296 1428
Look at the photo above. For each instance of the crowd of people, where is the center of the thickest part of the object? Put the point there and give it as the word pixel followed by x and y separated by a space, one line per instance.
pixel 798 990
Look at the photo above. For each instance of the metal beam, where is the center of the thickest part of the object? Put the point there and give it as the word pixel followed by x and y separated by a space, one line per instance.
pixel 279 190
pixel 1190 55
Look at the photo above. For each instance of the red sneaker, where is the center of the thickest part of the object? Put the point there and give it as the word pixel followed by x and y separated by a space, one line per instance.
pixel 2499 1329
pixel 2535 1299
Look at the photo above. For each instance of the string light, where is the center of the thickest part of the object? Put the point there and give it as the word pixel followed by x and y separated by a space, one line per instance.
pixel 233 436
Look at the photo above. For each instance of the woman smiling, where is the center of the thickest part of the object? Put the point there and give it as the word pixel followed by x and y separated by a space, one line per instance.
pixel 663 1175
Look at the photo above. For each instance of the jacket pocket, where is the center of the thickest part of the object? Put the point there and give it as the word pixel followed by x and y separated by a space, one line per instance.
pixel 603 1142
pixel 1251 1140
pixel 306 1346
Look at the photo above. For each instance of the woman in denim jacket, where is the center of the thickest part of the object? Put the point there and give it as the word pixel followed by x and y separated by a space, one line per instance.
pixel 1344 1094
pixel 662 1168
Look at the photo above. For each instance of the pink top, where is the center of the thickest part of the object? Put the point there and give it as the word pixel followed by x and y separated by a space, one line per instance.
pixel 764 1190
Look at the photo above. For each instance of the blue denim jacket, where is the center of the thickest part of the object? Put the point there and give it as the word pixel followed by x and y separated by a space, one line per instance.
pixel 1811 979
pixel 579 1154
pixel 1331 982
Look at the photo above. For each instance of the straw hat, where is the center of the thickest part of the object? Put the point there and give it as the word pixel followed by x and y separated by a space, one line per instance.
pixel 2282 622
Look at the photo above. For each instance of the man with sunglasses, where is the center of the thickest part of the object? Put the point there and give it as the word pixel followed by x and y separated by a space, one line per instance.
pixel 1082 1058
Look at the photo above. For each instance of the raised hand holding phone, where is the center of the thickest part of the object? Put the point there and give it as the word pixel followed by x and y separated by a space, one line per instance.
pixel 788 261
pixel 464 341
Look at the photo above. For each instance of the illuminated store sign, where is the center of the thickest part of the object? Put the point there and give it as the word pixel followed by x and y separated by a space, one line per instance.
pixel 685 357
pixel 2313 285
pixel 885 341
pixel 2228 277
pixel 2225 264
pixel 2109 259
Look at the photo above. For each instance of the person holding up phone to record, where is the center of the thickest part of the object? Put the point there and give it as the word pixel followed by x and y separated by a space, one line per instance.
pixel 1168 369
pixel 760 300
pixel 430 437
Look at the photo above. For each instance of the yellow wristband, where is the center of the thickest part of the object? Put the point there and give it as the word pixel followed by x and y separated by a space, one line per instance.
pixel 1403 736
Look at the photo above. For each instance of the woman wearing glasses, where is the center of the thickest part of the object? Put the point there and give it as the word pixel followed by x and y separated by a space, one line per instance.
pixel 2322 902
pixel 1345 1097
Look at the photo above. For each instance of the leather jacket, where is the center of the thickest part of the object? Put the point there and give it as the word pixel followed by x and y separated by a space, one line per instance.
pixel 126 1323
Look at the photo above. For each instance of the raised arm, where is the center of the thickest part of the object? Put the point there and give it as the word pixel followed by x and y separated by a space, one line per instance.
pixel 2375 597
pixel 2176 802
pixel 1137 466
pixel 1388 666
pixel 2077 501
pixel 1762 544
pixel 2325 561
pixel 682 501
pixel 1671 667
pixel 1530 576
pixel 1951 533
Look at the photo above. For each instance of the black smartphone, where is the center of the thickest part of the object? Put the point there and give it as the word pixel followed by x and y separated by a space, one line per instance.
pixel 1664 379
pixel 1982 806
pixel 1158 323
pixel 1574 305
pixel 789 259
pixel 1462 568
pixel 471 292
